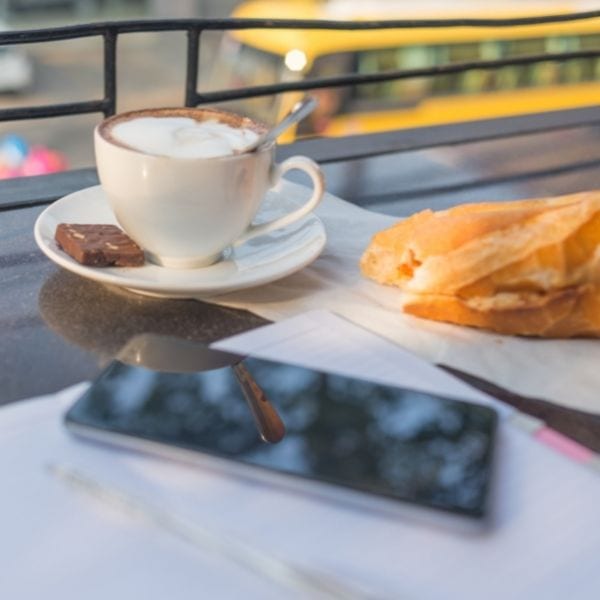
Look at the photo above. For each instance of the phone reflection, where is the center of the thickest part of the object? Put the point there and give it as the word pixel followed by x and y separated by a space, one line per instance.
pixel 267 419
pixel 172 355
pixel 146 333
pixel 101 319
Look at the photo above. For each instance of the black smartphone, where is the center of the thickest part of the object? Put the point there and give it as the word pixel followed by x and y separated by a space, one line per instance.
pixel 370 445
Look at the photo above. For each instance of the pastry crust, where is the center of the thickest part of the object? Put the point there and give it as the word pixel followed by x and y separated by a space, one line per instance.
pixel 529 267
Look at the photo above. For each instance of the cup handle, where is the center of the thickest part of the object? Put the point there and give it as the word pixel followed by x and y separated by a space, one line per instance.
pixel 301 163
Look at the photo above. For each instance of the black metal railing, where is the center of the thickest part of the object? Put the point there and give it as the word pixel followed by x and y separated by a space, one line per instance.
pixel 194 28
pixel 37 191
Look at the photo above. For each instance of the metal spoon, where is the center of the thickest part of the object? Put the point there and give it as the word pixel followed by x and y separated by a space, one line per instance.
pixel 176 355
pixel 300 110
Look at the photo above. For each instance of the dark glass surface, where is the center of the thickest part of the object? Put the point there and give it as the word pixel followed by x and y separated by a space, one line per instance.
pixel 58 328
pixel 398 443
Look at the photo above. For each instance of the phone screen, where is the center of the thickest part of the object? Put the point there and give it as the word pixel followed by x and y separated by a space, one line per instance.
pixel 371 438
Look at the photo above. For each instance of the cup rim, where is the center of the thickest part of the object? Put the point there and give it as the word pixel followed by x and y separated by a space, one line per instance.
pixel 226 116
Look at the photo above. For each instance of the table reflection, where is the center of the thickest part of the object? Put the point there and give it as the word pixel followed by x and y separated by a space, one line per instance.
pixel 103 320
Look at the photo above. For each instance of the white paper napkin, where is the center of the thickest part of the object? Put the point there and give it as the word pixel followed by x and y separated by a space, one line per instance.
pixel 312 340
pixel 562 371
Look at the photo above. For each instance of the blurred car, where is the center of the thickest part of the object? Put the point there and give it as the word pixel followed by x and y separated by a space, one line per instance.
pixel 16 70
pixel 16 67
pixel 18 158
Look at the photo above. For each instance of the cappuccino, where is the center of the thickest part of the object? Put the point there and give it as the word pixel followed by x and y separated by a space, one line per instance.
pixel 183 212
pixel 181 135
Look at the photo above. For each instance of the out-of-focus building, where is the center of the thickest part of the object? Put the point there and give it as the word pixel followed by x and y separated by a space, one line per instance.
pixel 88 8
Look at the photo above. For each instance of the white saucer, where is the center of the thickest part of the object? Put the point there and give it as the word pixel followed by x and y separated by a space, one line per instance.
pixel 261 260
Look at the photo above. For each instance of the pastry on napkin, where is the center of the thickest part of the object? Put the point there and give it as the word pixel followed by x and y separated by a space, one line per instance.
pixel 530 267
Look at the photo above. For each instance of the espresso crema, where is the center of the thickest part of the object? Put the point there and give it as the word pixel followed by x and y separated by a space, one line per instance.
pixel 181 136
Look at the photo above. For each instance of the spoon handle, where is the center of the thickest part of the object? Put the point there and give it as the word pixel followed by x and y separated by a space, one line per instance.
pixel 299 111
pixel 268 421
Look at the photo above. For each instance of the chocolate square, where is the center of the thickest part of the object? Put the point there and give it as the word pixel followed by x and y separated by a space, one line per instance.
pixel 98 245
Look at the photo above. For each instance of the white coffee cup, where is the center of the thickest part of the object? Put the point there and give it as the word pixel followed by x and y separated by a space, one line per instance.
pixel 185 212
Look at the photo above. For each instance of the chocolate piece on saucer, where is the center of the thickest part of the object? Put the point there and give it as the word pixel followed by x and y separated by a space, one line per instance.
pixel 98 245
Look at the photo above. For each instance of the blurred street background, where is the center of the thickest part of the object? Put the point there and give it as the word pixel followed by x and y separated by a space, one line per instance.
pixel 151 73
pixel 150 69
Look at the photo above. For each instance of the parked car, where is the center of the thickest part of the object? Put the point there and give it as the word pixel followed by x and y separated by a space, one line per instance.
pixel 16 70
pixel 16 67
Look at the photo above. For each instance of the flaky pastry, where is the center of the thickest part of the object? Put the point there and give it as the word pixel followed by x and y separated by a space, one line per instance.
pixel 529 267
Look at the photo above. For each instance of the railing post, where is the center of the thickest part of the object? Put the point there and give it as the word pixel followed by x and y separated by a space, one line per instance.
pixel 191 78
pixel 110 72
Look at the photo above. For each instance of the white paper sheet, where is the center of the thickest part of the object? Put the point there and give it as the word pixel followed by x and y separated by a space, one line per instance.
pixel 562 371
pixel 318 338
pixel 58 544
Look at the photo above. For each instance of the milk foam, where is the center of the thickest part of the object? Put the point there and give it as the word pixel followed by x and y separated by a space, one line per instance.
pixel 182 137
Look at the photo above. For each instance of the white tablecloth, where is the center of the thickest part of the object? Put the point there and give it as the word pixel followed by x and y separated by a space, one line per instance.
pixel 563 371
pixel 57 543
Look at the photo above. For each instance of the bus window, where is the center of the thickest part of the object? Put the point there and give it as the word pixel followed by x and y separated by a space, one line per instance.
pixel 331 101
pixel 379 61
pixel 590 66
pixel 402 92
pixel 490 50
pixel 568 71
pixel 589 42
pixel 548 73
pixel 528 75
pixel 506 78
pixel 467 82
pixel 330 65
pixel 240 66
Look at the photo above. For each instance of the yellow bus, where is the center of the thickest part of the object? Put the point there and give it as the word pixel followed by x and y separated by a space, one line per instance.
pixel 255 57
